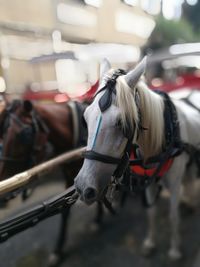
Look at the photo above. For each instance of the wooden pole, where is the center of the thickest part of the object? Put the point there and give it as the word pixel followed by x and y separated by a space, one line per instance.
pixel 23 178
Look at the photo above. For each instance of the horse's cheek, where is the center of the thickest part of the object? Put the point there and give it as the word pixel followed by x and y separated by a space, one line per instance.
pixel 121 144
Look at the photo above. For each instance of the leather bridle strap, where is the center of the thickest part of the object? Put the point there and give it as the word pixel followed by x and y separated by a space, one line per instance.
pixel 122 163
pixel 92 155
pixel 104 103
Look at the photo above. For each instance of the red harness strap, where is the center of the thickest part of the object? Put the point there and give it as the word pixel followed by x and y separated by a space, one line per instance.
pixel 149 170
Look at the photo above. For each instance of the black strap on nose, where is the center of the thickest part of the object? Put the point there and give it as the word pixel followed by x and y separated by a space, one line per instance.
pixel 122 163
pixel 92 155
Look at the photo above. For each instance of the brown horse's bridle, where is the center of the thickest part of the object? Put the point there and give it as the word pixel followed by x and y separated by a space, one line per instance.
pixel 27 135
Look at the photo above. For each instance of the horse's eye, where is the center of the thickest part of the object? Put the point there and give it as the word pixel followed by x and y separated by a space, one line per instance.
pixel 118 123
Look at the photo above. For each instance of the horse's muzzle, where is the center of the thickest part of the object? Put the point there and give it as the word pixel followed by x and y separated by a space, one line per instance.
pixel 87 194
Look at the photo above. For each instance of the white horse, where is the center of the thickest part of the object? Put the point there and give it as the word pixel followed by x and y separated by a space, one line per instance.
pixel 106 137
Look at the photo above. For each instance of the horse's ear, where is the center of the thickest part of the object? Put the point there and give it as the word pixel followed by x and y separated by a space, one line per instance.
pixel 28 106
pixel 105 66
pixel 134 75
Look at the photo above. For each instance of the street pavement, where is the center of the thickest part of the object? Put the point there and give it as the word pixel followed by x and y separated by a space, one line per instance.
pixel 117 243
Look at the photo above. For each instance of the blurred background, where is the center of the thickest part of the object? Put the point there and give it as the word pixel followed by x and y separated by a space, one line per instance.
pixel 50 51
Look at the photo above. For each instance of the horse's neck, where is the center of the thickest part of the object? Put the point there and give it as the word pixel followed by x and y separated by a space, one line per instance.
pixel 151 140
pixel 58 119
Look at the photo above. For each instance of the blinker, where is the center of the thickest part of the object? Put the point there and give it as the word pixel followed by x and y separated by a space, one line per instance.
pixel 106 100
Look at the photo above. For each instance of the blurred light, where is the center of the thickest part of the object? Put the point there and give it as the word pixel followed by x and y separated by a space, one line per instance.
pixel 184 48
pixel 83 56
pixel 24 48
pixel 35 87
pixel 56 35
pixel 59 98
pixel 180 80
pixel 5 63
pixel 129 22
pixel 152 7
pixel 144 4
pixel 172 9
pixel 66 66
pixel 168 9
pixel 187 61
pixel 69 74
pixel 2 85
pixel 57 41
pixel 197 73
pixel 192 2
pixel 116 53
pixel 157 82
pixel 47 86
pixel 74 15
pixel 131 2
pixel 95 3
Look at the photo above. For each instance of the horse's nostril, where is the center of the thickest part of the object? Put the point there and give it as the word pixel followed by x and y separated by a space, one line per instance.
pixel 77 187
pixel 90 194
pixel 78 190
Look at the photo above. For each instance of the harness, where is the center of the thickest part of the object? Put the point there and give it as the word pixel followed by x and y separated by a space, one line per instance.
pixel 187 101
pixel 132 173
pixel 154 168
pixel 27 135
pixel 104 103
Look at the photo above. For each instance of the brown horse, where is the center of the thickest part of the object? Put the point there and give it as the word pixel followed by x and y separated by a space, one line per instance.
pixel 26 129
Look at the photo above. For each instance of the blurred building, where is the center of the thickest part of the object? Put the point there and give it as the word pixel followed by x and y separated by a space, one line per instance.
pixel 47 40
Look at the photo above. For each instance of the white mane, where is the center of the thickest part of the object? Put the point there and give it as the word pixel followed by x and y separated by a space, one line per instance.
pixel 151 108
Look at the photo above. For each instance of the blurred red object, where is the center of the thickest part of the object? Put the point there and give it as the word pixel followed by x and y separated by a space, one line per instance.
pixel 56 96
pixel 191 81
pixel 88 96
pixel 45 96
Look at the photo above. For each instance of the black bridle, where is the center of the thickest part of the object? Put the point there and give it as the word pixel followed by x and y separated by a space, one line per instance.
pixel 27 135
pixel 174 145
pixel 104 103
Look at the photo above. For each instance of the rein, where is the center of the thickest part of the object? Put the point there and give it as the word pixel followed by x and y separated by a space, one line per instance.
pixel 34 215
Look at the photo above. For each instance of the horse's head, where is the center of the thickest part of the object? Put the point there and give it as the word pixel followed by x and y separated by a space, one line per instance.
pixel 111 126
pixel 23 138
